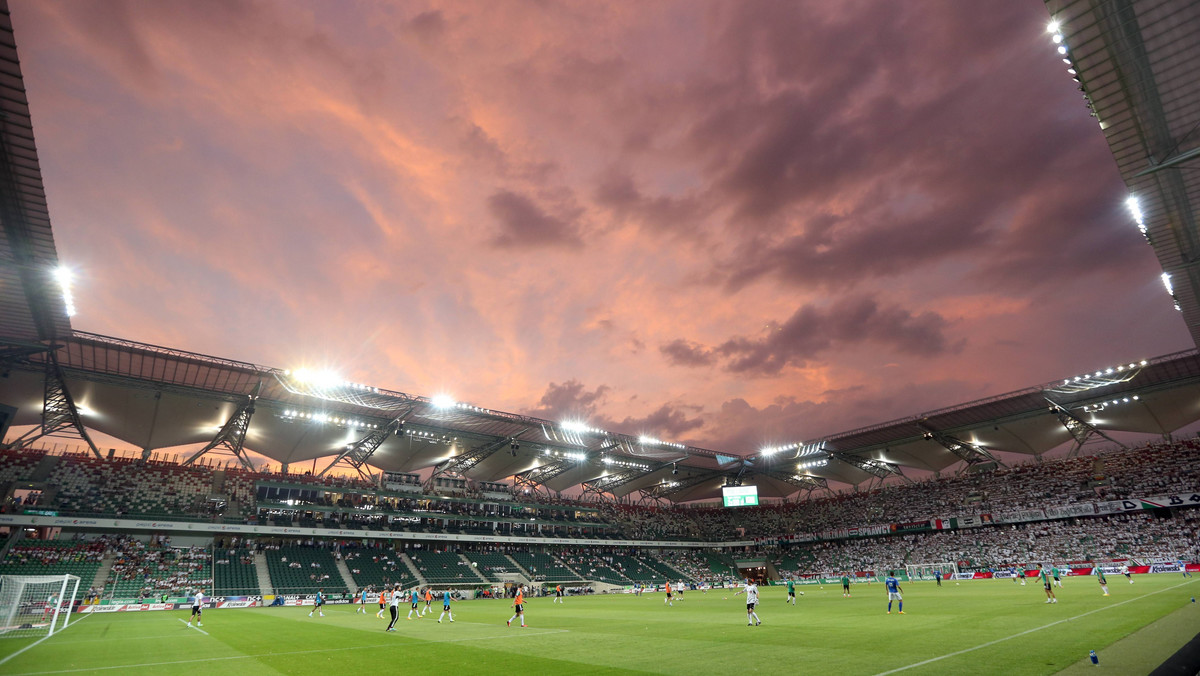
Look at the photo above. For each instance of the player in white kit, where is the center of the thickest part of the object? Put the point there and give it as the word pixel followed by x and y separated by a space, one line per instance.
pixel 751 592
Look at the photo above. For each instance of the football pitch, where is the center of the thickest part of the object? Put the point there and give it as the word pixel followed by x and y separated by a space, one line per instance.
pixel 978 627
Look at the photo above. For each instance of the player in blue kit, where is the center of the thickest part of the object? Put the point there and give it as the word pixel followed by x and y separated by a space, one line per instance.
pixel 446 607
pixel 319 602
pixel 416 601
pixel 362 601
pixel 893 592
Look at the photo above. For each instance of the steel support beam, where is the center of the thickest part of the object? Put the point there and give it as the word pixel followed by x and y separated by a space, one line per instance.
pixel 1169 162
pixel 876 468
pixel 963 450
pixel 669 488
pixel 1080 430
pixel 809 483
pixel 232 437
pixel 533 478
pixel 608 482
pixel 467 461
pixel 357 454
pixel 59 412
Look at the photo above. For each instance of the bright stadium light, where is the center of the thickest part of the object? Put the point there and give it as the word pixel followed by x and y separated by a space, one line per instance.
pixel 1166 280
pixel 573 426
pixel 1053 26
pixel 63 276
pixel 442 401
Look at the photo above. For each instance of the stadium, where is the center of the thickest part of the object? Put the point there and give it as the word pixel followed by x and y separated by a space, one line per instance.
pixel 166 509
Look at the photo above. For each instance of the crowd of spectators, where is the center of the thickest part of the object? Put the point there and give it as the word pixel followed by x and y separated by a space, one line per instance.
pixel 1134 535
pixel 123 486
pixel 155 568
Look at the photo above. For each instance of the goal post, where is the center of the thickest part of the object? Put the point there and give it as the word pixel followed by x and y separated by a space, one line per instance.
pixel 36 605
pixel 925 571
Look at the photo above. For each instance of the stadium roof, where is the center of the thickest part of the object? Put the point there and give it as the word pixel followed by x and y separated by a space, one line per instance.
pixel 158 398
pixel 1138 62
pixel 31 303
pixel 1138 66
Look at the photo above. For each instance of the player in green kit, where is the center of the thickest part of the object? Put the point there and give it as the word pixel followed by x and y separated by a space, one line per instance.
pixel 1056 573
pixel 1045 575
pixel 791 591
pixel 845 586
pixel 1103 580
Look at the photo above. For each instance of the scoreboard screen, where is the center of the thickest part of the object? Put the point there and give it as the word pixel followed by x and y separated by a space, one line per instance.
pixel 740 496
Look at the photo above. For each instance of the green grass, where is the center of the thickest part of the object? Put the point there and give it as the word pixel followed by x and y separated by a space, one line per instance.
pixel 702 634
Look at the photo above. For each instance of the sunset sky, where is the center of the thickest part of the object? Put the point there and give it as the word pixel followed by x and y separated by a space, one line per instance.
pixel 723 223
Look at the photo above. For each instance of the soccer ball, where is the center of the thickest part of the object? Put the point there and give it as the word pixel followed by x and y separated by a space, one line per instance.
pixel 957 583
pixel 474 564
pixel 802 593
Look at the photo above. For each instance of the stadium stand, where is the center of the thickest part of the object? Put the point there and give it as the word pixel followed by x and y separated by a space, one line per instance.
pixel 597 568
pixel 303 570
pixel 544 567
pixel 491 563
pixel 441 567
pixel 234 572
pixel 377 568
pixel 54 557
pixel 141 570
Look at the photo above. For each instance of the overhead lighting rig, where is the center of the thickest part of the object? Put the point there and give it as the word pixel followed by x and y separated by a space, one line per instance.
pixel 325 418
pixel 1100 406
pixel 1113 375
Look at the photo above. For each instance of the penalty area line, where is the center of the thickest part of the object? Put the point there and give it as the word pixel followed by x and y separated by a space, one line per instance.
pixel 35 643
pixel 1023 633
pixel 416 644
pixel 189 626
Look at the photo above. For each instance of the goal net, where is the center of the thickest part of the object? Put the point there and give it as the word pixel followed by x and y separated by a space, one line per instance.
pixel 35 605
pixel 928 571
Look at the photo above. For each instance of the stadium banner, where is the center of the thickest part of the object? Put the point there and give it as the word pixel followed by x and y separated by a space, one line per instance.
pixel 1022 516
pixel 133 607
pixel 218 528
pixel 971 521
pixel 912 526
pixel 1118 506
pixel 1183 500
pixel 1078 509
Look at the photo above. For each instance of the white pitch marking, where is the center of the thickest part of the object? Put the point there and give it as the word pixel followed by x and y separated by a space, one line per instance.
pixel 77 621
pixel 189 626
pixel 1027 631
pixel 417 643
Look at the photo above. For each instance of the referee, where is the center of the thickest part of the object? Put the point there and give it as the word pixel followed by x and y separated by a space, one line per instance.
pixel 393 609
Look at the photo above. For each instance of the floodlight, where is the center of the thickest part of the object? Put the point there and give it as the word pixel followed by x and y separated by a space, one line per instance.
pixel 1058 38
pixel 442 401
pixel 1053 26
pixel 63 276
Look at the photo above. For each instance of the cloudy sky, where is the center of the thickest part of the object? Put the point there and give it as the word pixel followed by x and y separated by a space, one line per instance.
pixel 726 223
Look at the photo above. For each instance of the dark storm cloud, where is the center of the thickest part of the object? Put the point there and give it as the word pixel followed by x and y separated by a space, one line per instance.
pixel 573 400
pixel 618 192
pixel 741 426
pixel 813 330
pixel 569 400
pixel 682 352
pixel 428 26
pixel 525 224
